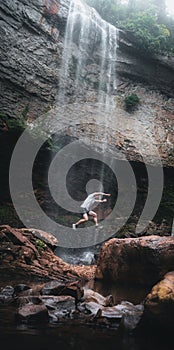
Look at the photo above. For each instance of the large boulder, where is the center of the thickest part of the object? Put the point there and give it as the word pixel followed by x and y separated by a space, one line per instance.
pixel 138 261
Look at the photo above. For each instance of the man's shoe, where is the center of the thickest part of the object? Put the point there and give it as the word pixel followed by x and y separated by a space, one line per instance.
pixel 74 226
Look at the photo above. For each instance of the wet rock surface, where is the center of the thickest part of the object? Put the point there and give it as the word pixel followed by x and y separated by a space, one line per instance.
pixel 32 305
pixel 35 306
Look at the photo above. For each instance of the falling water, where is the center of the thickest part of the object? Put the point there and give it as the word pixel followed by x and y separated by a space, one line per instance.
pixel 88 39
pixel 107 67
pixel 89 67
pixel 90 46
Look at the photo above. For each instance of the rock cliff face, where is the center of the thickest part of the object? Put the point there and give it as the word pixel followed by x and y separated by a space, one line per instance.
pixel 32 40
pixel 31 45
pixel 155 72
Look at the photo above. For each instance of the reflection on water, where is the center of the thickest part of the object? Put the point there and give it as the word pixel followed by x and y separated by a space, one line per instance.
pixel 66 337
pixel 72 335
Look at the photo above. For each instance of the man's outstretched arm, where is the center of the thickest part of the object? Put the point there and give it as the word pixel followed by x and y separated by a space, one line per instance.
pixel 102 194
pixel 101 200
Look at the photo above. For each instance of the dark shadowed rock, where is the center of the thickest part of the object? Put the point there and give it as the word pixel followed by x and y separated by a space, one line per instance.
pixel 59 288
pixel 19 288
pixel 126 315
pixel 20 301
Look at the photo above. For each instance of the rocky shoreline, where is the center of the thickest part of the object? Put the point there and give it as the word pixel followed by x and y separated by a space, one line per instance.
pixel 42 289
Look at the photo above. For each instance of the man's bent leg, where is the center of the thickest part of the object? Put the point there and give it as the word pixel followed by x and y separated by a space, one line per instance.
pixel 92 213
pixel 84 219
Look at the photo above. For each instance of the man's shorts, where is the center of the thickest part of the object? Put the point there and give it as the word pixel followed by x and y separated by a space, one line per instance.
pixel 84 211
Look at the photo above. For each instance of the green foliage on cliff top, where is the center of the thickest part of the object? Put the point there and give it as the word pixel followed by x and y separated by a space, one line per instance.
pixel 148 21
pixel 150 35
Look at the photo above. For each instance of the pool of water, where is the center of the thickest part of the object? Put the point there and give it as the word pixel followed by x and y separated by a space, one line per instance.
pixel 74 335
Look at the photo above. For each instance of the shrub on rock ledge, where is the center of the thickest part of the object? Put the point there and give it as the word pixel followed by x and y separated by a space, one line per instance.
pixel 131 102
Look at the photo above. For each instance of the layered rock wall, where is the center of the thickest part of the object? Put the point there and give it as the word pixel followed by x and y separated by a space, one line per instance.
pixel 32 40
pixel 31 45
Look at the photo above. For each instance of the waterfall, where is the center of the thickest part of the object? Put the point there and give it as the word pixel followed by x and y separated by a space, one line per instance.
pixel 85 108
pixel 107 66
pixel 88 39
pixel 85 125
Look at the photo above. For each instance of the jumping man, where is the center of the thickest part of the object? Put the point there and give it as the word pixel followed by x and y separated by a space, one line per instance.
pixel 86 207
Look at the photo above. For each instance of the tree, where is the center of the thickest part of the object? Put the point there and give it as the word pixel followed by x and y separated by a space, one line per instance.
pixel 151 36
pixel 147 20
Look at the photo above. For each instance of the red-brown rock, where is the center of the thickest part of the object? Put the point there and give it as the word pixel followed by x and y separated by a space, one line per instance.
pixel 24 258
pixel 143 260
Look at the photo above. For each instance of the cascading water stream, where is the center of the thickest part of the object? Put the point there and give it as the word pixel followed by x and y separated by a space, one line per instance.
pixel 88 37
pixel 90 45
